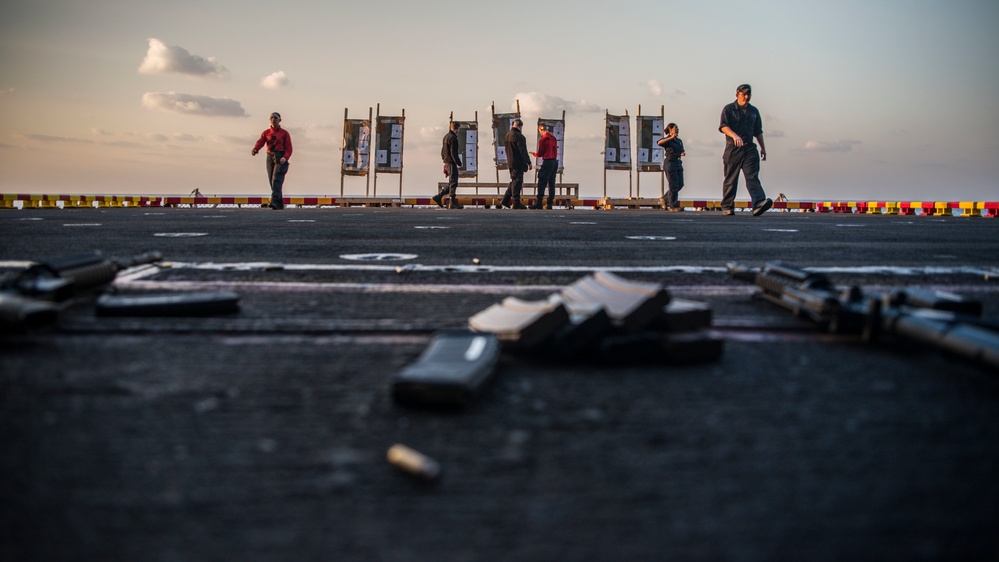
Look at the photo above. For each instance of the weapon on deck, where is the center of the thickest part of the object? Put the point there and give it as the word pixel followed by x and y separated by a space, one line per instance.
pixel 34 296
pixel 940 319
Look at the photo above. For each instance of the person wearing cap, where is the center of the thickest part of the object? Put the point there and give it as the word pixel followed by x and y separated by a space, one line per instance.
pixel 519 161
pixel 548 153
pixel 279 149
pixel 673 166
pixel 452 160
pixel 741 123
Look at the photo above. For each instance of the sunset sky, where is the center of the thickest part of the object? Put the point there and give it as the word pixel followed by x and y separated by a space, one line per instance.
pixel 861 99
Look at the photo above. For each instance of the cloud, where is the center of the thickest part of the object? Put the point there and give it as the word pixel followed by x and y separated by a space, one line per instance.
pixel 655 87
pixel 275 80
pixel 543 105
pixel 6 91
pixel 831 146
pixel 190 104
pixel 433 132
pixel 52 139
pixel 162 58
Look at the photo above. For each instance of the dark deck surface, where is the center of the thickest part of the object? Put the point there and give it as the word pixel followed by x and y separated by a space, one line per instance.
pixel 262 435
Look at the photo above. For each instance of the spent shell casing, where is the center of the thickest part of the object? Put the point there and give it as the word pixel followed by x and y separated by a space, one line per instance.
pixel 413 462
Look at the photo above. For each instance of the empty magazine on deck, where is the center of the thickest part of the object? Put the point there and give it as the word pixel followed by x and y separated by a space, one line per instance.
pixel 454 368
pixel 631 305
pixel 519 324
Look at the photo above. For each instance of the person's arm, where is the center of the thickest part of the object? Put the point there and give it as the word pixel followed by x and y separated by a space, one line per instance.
pixel 523 152
pixel 259 144
pixel 758 133
pixel 455 155
pixel 287 147
pixel 726 130
pixel 666 139
pixel 729 132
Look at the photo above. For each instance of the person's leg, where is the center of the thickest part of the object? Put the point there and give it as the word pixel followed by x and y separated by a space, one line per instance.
pixel 731 165
pixel 671 182
pixel 543 174
pixel 679 184
pixel 508 196
pixel 273 173
pixel 516 186
pixel 452 181
pixel 277 185
pixel 751 171
pixel 540 197
pixel 552 172
pixel 452 186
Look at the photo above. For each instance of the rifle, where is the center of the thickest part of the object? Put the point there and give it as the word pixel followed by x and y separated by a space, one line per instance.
pixel 943 320
pixel 35 296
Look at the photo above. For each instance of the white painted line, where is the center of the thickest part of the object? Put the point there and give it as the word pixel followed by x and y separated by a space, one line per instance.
pixel 83 224
pixel 296 287
pixel 378 257
pixel 689 269
pixel 744 290
pixel 431 227
pixel 180 234
pixel 258 266
pixel 779 230
pixel 651 237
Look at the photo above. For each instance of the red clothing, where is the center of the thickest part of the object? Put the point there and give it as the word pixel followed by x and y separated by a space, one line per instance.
pixel 277 140
pixel 547 147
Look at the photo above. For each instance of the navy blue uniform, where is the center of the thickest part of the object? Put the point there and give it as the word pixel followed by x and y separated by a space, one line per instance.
pixel 744 121
pixel 452 159
pixel 673 168
pixel 518 161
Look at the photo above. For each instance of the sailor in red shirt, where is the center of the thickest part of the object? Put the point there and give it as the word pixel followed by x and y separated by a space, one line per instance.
pixel 278 143
pixel 548 152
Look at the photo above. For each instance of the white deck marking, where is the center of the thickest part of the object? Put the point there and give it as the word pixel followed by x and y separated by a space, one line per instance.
pixel 297 287
pixel 690 269
pixel 138 278
pixel 889 270
pixel 377 257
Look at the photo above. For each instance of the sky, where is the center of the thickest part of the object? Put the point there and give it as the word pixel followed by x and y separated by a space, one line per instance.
pixel 860 99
